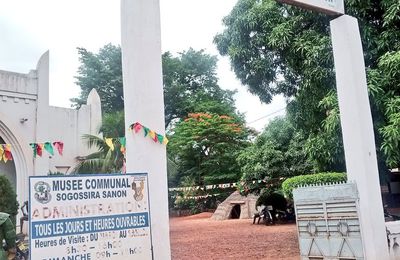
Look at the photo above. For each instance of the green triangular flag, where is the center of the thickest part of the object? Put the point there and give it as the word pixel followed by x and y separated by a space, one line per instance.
pixel 160 138
pixel 49 148
pixel 122 141
pixel 146 131
pixel 33 145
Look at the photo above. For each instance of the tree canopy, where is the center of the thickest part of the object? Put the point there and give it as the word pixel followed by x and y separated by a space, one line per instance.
pixel 190 82
pixel 205 130
pixel 205 146
pixel 191 85
pixel 276 154
pixel 103 159
pixel 275 49
pixel 103 72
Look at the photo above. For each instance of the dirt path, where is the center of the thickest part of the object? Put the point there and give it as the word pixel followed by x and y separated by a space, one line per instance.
pixel 199 237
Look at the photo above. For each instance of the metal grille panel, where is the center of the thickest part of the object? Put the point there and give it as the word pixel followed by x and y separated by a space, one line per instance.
pixel 327 222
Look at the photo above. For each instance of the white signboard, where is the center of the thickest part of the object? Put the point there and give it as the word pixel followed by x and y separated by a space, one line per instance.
pixel 86 217
pixel 332 7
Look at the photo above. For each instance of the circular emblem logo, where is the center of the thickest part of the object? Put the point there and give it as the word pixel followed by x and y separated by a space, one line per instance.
pixel 42 192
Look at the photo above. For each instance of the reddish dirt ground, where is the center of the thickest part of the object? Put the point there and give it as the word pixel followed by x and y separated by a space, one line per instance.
pixel 199 237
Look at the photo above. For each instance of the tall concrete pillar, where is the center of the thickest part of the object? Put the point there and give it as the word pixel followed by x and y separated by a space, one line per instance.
pixel 144 103
pixel 41 164
pixel 358 133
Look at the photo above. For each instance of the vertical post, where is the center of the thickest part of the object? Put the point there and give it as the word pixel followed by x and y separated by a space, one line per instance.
pixel 144 103
pixel 358 133
pixel 41 164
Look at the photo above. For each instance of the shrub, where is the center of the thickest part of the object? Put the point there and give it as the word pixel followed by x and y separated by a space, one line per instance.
pixel 8 198
pixel 273 198
pixel 185 203
pixel 318 178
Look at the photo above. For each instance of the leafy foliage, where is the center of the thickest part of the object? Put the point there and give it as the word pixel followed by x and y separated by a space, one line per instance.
pixel 113 124
pixel 198 200
pixel 384 84
pixel 8 198
pixel 276 154
pixel 278 49
pixel 103 160
pixel 275 199
pixel 325 148
pixel 190 82
pixel 318 178
pixel 103 72
pixel 205 146
pixel 191 86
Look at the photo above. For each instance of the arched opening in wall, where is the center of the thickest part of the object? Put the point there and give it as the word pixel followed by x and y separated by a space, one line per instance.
pixel 235 212
pixel 8 169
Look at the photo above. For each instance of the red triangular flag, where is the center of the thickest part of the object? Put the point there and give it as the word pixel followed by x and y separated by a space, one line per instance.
pixel 137 126
pixel 39 149
pixel 59 146
pixel 7 152
pixel 8 155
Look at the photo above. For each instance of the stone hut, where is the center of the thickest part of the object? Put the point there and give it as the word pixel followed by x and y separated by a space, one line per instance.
pixel 236 206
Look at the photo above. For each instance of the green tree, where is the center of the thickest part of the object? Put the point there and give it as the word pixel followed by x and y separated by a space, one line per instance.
pixel 384 83
pixel 190 82
pixel 8 198
pixel 103 72
pixel 113 124
pixel 103 159
pixel 278 49
pixel 191 86
pixel 276 154
pixel 205 146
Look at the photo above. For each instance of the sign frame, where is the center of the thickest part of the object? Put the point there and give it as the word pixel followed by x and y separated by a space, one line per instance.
pixel 84 176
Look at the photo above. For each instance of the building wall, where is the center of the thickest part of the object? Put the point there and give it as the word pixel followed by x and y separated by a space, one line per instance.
pixel 26 117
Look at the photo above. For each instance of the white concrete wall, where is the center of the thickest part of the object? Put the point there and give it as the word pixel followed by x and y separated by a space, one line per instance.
pixel 18 94
pixel 26 96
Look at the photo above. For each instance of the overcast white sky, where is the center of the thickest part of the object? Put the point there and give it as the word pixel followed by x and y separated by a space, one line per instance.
pixel 29 28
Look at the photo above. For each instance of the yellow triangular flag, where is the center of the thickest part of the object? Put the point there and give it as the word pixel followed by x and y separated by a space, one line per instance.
pixel 1 151
pixel 152 134
pixel 165 141
pixel 5 159
pixel 8 147
pixel 109 142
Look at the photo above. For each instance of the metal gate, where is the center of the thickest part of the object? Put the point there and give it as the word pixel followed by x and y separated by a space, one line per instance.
pixel 327 222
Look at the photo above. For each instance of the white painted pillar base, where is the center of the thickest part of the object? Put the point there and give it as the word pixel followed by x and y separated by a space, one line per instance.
pixel 358 133
pixel 144 103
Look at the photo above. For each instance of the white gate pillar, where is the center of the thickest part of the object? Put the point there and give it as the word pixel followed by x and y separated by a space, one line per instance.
pixel 144 103
pixel 358 133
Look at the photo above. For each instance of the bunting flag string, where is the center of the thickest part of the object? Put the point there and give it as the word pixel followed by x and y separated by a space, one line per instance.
pixel 157 138
pixel 122 141
pixel 202 196
pixel 59 146
pixel 207 187
pixel 214 186
pixel 37 148
pixel 5 153
pixel 111 141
